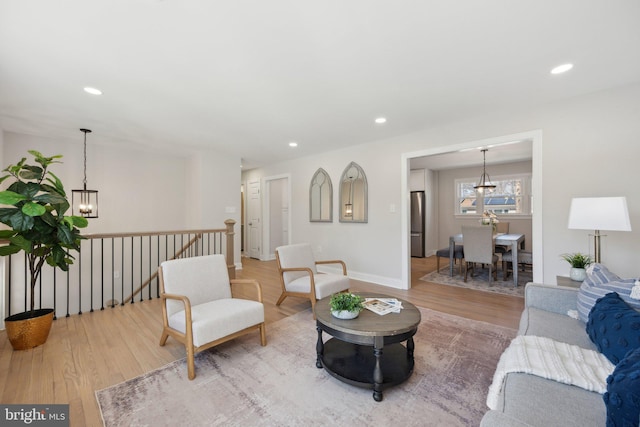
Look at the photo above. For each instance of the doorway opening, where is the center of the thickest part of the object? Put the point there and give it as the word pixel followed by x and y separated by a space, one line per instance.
pixel 432 230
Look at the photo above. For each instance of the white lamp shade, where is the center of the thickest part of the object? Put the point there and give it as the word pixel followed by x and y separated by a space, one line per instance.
pixel 599 213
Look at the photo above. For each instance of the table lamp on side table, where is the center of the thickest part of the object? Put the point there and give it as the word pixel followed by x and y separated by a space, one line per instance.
pixel 599 213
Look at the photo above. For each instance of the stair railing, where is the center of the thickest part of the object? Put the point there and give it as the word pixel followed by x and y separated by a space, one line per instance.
pixel 113 269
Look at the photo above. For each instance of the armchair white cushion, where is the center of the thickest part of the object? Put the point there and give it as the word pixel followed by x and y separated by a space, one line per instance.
pixel 299 276
pixel 198 307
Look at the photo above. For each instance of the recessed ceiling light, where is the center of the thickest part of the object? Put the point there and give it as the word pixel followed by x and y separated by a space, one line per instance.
pixel 381 120
pixel 561 68
pixel 93 91
pixel 293 144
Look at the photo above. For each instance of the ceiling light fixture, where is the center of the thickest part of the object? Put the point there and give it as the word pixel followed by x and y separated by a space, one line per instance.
pixel 293 144
pixel 93 90
pixel 485 181
pixel 561 68
pixel 84 201
pixel 381 120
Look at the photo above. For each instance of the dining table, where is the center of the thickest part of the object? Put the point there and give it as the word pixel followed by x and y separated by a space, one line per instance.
pixel 513 241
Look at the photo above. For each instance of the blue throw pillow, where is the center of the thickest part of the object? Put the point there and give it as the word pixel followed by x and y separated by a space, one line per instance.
pixel 599 282
pixel 614 327
pixel 622 397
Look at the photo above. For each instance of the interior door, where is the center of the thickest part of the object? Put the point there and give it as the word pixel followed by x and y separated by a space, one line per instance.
pixel 254 216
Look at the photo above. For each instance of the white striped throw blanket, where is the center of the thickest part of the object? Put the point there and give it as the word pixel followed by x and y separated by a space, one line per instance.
pixel 557 361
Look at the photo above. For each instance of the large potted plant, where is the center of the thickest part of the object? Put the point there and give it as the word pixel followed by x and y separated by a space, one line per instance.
pixel 34 207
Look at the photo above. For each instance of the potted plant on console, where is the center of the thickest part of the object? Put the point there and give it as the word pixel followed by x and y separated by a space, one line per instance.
pixel 34 207
pixel 345 305
pixel 579 263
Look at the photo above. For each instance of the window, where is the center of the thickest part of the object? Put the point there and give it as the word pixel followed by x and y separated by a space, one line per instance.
pixel 512 196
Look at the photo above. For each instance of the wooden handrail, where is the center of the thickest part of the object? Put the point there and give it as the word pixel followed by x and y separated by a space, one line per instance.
pixel 156 233
pixel 155 274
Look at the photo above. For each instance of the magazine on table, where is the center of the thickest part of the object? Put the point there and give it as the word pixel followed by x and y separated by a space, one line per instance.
pixel 383 306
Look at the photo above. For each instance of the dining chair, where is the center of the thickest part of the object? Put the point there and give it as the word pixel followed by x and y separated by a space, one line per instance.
pixel 479 248
pixel 458 254
pixel 525 258
pixel 502 228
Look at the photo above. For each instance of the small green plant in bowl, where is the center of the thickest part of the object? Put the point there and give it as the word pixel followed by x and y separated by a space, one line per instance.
pixel 577 260
pixel 345 305
pixel 579 263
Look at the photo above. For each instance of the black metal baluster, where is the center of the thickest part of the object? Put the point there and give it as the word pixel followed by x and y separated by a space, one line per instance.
pixel 132 299
pixel 68 290
pixel 79 281
pixel 101 274
pixel 91 279
pixel 122 273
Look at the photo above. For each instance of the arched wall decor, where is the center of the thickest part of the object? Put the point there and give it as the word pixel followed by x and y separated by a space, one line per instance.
pixel 353 194
pixel 321 197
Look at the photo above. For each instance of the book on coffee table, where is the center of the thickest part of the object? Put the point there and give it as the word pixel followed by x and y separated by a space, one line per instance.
pixel 382 306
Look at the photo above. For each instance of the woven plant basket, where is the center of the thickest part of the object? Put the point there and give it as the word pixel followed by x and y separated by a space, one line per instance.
pixel 29 329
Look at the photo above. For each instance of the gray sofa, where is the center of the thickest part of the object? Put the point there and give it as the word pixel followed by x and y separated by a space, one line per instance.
pixel 528 400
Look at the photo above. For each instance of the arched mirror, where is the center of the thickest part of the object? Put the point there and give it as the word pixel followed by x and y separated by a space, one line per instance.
pixel 321 197
pixel 353 194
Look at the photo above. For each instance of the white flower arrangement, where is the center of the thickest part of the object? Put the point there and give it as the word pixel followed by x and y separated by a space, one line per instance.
pixel 489 218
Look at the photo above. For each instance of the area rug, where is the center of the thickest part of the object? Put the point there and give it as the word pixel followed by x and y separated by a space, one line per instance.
pixel 240 383
pixel 480 282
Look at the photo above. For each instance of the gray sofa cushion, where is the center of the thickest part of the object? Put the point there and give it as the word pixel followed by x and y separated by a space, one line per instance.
pixel 559 327
pixel 536 401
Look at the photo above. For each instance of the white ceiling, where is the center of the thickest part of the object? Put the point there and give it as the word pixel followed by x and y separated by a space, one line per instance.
pixel 246 77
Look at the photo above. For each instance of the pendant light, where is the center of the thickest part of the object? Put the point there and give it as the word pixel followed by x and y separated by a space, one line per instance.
pixel 85 202
pixel 485 181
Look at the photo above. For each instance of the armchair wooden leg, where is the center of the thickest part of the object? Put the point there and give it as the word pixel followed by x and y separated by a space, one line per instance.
pixel 263 334
pixel 191 365
pixel 313 306
pixel 163 338
pixel 282 297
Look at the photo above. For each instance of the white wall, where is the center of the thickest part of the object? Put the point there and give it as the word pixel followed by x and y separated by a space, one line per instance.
pixel 138 190
pixel 589 148
pixel 212 189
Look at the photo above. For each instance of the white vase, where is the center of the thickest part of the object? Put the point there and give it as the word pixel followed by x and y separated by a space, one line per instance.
pixel 578 274
pixel 344 314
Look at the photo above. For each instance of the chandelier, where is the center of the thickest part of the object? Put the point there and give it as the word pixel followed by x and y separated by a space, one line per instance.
pixel 85 202
pixel 485 181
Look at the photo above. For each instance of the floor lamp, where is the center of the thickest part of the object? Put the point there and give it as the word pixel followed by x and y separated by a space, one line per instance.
pixel 599 213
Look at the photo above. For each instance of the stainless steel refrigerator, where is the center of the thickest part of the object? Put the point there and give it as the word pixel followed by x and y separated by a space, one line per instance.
pixel 417 224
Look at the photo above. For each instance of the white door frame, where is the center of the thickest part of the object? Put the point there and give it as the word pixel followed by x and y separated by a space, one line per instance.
pixel 251 216
pixel 266 254
pixel 536 181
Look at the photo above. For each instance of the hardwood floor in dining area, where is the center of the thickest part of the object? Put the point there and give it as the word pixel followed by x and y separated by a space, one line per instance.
pixel 92 351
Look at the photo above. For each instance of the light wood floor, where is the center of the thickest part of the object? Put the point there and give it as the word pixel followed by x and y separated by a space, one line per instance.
pixel 95 350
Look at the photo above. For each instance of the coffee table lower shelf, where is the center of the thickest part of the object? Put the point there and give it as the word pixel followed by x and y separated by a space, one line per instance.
pixel 354 364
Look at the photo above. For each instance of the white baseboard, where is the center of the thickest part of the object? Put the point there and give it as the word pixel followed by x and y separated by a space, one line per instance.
pixel 366 277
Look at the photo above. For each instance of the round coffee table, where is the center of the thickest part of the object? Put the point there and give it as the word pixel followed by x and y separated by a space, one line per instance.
pixel 367 351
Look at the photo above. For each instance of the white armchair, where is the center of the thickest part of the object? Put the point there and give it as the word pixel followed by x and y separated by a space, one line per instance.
pixel 198 308
pixel 299 277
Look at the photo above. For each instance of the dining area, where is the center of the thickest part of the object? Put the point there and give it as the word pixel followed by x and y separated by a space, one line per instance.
pixel 489 246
